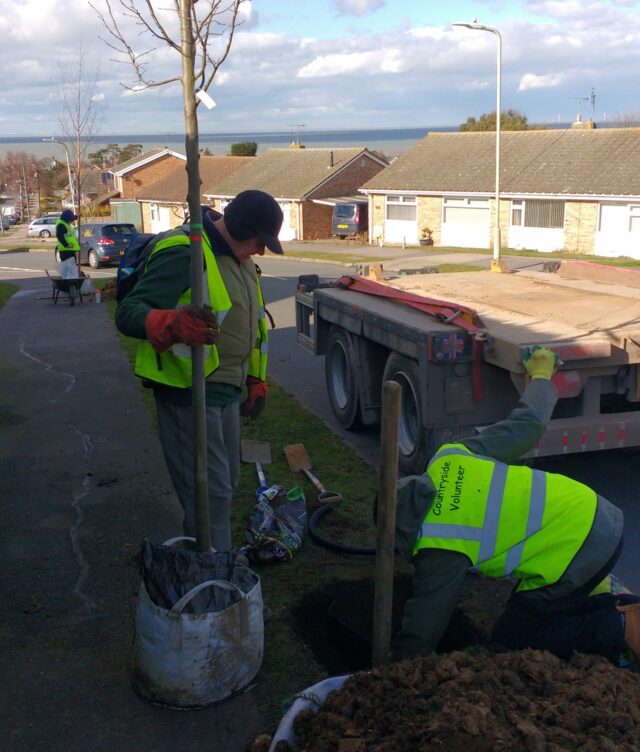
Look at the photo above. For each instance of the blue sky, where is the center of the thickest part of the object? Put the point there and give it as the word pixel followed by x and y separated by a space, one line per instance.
pixel 337 64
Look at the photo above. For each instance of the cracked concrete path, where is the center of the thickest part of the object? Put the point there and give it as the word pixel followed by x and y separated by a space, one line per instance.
pixel 82 480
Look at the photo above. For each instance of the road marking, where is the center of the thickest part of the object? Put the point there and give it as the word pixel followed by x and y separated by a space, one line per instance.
pixel 18 269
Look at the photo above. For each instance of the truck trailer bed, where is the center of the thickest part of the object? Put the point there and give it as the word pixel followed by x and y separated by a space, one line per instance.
pixel 580 318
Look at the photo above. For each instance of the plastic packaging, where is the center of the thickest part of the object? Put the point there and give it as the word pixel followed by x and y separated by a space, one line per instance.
pixel 312 698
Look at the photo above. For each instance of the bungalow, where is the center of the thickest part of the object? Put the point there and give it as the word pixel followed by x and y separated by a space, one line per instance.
pixel 304 181
pixel 132 176
pixel 164 203
pixel 576 190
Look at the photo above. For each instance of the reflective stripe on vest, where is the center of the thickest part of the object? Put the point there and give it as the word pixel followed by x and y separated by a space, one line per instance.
pixel 508 519
pixel 258 359
pixel 73 246
pixel 173 367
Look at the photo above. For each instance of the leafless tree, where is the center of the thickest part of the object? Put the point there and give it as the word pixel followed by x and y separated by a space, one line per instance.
pixel 204 26
pixel 79 115
pixel 626 119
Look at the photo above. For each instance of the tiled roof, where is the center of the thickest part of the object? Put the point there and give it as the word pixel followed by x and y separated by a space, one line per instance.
pixel 289 173
pixel 573 162
pixel 173 186
pixel 148 156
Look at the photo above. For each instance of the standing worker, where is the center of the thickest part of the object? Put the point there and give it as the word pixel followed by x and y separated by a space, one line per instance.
pixel 67 246
pixel 231 324
pixel 556 537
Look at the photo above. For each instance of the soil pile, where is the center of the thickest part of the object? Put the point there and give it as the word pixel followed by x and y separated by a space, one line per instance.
pixel 529 701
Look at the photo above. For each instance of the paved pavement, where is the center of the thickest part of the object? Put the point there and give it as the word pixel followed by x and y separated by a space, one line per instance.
pixel 82 480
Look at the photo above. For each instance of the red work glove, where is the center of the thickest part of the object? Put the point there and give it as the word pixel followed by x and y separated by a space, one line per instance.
pixel 255 399
pixel 189 325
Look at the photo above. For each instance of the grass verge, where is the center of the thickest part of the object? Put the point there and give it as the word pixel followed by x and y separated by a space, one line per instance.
pixel 6 291
pixel 340 258
pixel 289 666
pixel 625 261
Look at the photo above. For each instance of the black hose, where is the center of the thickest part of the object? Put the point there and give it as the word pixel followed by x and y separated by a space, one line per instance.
pixel 322 540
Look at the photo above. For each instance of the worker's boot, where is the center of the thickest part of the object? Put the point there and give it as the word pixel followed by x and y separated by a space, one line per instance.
pixel 629 605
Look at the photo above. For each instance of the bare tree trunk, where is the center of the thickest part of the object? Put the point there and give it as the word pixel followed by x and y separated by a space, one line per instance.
pixel 203 534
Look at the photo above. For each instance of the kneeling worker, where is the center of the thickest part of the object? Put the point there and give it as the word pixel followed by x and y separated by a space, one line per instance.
pixel 554 536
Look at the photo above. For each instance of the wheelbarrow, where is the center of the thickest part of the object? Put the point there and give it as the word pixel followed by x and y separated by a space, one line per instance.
pixel 71 287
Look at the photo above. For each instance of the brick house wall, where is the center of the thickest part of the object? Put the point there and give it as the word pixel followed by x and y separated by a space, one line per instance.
pixel 316 221
pixel 316 218
pixel 376 214
pixel 430 215
pixel 347 181
pixel 131 183
pixel 580 226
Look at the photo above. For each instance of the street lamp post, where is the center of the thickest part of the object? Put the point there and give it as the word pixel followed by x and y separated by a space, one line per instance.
pixel 26 192
pixel 496 264
pixel 37 177
pixel 66 151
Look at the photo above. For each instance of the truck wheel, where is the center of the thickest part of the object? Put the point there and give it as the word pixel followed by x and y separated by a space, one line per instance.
pixel 412 455
pixel 340 377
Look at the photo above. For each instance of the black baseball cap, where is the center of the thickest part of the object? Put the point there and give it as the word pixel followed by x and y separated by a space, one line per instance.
pixel 253 213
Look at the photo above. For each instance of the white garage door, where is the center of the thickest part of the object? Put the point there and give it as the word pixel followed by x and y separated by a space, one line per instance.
pixel 466 222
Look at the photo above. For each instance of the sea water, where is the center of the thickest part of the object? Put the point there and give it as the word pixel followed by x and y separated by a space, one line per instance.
pixel 389 141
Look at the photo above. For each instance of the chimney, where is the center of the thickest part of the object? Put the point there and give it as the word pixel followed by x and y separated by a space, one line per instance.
pixel 330 159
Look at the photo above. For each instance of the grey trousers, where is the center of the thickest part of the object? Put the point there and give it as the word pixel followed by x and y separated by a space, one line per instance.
pixel 175 423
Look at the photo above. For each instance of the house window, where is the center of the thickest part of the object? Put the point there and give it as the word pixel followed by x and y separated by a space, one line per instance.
pixel 402 207
pixel 467 211
pixel 153 209
pixel 517 209
pixel 634 218
pixel 535 213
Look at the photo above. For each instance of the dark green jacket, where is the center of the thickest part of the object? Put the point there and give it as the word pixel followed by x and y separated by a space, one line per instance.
pixel 166 277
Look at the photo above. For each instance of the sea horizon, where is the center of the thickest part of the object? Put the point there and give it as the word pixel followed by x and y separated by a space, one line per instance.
pixel 390 141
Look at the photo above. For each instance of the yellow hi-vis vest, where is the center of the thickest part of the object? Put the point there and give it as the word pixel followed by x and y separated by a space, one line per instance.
pixel 510 520
pixel 73 246
pixel 173 367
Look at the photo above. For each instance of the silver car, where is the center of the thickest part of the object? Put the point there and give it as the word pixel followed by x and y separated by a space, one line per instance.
pixel 44 227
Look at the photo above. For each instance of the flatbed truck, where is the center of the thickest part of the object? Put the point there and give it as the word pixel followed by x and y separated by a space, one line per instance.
pixel 455 342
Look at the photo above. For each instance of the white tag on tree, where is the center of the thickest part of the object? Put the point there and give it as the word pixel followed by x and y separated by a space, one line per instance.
pixel 205 99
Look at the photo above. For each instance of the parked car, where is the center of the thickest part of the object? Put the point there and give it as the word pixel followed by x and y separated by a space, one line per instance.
pixel 103 244
pixel 349 219
pixel 44 227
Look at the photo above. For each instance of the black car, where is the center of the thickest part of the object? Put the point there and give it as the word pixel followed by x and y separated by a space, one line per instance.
pixel 103 244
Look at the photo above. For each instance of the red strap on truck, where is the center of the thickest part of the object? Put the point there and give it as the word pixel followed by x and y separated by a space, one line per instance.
pixel 443 310
pixel 451 313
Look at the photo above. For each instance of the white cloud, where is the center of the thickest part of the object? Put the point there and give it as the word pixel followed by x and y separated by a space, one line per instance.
pixel 336 65
pixel 394 68
pixel 369 63
pixel 358 7
pixel 532 81
pixel 475 86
